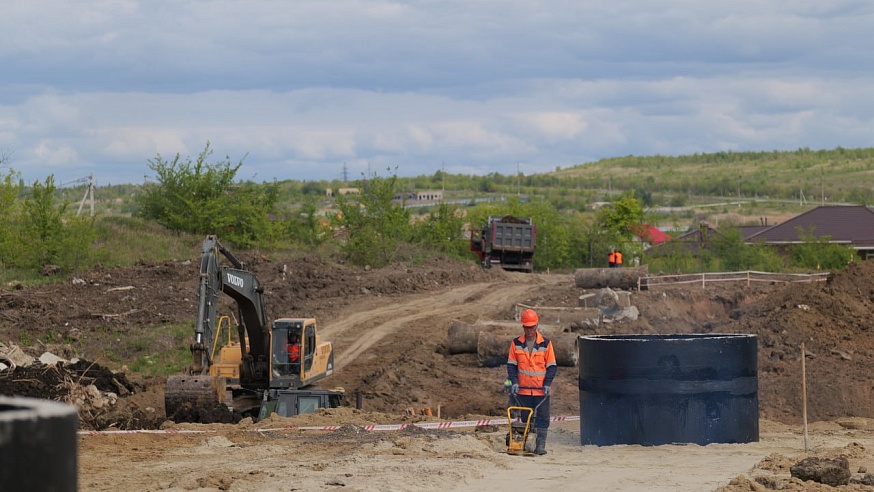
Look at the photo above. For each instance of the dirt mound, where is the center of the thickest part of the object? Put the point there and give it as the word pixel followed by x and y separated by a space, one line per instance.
pixel 94 389
pixel 37 381
pixel 832 319
pixel 54 381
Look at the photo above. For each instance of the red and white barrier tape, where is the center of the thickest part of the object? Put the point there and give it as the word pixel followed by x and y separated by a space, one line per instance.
pixel 144 431
pixel 374 427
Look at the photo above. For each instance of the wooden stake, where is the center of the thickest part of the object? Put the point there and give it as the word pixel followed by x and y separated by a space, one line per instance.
pixel 804 393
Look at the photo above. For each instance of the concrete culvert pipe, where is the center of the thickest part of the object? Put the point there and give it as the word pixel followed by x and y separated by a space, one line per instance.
pixel 37 445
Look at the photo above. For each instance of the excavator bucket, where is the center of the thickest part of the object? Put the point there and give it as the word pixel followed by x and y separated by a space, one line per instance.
pixel 198 391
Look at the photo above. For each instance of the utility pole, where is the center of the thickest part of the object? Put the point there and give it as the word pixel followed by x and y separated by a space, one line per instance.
pixel 518 180
pixel 821 190
pixel 443 173
pixel 89 192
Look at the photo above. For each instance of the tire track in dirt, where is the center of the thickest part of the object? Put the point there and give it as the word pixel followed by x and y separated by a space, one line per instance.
pixel 355 333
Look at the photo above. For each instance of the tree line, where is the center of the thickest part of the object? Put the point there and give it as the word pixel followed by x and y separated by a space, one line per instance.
pixel 202 195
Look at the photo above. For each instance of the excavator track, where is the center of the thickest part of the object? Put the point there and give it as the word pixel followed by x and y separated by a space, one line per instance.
pixel 197 391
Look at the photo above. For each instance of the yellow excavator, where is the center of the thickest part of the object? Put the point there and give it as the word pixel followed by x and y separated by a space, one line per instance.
pixel 270 368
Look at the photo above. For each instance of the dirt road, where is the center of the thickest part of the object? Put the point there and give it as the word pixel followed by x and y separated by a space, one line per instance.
pixel 369 323
pixel 237 458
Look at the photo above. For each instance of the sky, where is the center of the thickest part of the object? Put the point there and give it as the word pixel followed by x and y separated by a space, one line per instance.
pixel 340 89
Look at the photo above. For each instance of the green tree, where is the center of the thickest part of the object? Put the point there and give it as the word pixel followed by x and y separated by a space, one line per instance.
pixel 10 247
pixel 817 252
pixel 623 216
pixel 80 234
pixel 733 254
pixel 442 231
pixel 305 226
pixel 593 242
pixel 203 198
pixel 43 226
pixel 374 224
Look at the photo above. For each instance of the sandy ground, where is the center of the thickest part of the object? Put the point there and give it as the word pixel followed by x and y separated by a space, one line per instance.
pixel 239 458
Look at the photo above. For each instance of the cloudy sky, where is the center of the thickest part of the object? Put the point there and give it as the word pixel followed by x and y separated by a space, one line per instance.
pixel 319 89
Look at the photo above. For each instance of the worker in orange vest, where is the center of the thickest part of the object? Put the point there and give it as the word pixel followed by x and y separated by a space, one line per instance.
pixel 294 353
pixel 531 368
pixel 611 258
pixel 617 259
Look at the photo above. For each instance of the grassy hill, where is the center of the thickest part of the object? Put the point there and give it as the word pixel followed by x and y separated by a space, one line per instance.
pixel 834 176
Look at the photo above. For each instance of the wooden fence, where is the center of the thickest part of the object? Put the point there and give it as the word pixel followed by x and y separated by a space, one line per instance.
pixel 702 279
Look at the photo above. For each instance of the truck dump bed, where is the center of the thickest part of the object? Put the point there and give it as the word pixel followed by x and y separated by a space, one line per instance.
pixel 510 236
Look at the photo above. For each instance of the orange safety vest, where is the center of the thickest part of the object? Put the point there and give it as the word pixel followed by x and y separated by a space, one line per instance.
pixel 293 352
pixel 618 258
pixel 532 365
pixel 611 258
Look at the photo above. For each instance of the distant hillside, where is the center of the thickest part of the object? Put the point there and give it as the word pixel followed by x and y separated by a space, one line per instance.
pixel 839 175
pixel 809 176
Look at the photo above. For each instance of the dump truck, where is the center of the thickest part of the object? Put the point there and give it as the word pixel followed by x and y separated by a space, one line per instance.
pixel 507 242
pixel 270 367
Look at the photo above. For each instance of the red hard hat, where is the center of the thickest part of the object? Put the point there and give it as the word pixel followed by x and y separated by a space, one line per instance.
pixel 529 318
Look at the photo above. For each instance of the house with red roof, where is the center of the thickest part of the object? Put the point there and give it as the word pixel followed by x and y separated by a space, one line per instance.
pixel 649 235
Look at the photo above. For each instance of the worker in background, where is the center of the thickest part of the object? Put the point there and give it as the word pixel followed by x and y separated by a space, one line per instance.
pixel 617 258
pixel 611 258
pixel 294 352
pixel 531 368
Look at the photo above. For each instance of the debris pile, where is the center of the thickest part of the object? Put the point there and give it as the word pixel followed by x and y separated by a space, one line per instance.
pixel 94 389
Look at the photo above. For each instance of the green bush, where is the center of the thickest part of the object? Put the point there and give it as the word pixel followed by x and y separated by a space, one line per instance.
pixel 203 198
pixel 375 226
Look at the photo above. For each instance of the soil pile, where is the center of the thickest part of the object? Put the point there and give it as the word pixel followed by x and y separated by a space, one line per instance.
pixel 832 318
pixel 94 389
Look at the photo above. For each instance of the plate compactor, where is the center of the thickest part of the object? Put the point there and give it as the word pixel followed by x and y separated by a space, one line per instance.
pixel 517 436
pixel 519 420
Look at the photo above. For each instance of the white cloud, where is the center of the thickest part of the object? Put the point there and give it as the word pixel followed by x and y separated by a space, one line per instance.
pixel 300 88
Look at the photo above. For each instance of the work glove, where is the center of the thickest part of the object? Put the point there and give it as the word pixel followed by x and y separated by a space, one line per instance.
pixel 514 389
pixel 545 390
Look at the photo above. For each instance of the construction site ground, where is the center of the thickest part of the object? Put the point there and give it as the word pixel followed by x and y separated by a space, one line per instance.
pixel 389 329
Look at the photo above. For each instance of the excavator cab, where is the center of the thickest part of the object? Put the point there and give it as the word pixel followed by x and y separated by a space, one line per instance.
pixel 288 352
pixel 299 356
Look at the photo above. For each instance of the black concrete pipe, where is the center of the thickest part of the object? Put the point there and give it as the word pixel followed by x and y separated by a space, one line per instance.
pixel 37 445
pixel 662 389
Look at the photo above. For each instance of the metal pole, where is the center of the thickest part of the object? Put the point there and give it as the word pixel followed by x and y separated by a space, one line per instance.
pixel 804 393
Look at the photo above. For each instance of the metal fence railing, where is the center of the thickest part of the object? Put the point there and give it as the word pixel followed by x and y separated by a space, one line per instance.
pixel 654 281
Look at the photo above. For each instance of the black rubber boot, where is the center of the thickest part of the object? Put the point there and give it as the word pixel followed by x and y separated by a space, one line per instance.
pixel 540 447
